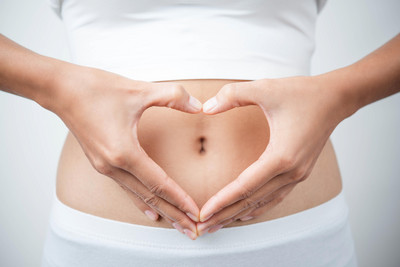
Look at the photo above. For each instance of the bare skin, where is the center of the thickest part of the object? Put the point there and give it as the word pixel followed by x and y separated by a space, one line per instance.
pixel 276 161
pixel 313 106
pixel 202 153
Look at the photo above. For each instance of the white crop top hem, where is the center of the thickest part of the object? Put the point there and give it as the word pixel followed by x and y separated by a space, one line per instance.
pixel 211 69
pixel 57 4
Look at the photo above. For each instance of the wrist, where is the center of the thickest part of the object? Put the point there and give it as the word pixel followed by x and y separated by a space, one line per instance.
pixel 57 83
pixel 46 86
pixel 338 85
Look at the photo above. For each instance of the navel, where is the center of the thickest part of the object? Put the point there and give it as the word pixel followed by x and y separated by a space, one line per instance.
pixel 202 141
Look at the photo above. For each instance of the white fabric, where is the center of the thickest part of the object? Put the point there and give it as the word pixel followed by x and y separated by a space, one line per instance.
pixel 154 40
pixel 319 236
pixel 56 6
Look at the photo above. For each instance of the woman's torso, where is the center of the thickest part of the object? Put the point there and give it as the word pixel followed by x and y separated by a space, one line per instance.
pixel 231 142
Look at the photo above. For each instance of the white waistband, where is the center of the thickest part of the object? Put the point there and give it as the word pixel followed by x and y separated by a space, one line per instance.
pixel 332 213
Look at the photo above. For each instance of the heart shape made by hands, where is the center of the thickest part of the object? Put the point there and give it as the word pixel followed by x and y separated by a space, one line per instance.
pixel 203 153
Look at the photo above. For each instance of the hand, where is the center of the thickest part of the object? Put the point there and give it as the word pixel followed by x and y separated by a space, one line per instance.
pixel 302 113
pixel 102 111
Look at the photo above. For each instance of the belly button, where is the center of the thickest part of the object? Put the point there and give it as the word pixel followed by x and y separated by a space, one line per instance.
pixel 202 141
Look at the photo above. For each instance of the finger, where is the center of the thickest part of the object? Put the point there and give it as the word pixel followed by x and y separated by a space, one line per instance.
pixel 157 181
pixel 232 95
pixel 266 204
pixel 258 211
pixel 248 204
pixel 175 216
pixel 135 161
pixel 249 181
pixel 173 95
pixel 138 202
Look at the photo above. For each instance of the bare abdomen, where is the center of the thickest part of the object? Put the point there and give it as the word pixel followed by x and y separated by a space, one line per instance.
pixel 202 153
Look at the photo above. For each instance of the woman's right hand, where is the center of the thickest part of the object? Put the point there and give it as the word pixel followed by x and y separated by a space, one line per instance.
pixel 102 110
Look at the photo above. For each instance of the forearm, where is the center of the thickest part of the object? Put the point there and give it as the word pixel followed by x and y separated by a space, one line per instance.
pixel 28 74
pixel 374 77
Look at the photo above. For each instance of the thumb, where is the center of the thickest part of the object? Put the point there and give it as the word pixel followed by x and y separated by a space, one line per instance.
pixel 231 95
pixel 173 96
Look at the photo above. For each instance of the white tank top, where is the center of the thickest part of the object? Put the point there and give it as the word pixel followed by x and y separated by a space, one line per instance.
pixel 155 40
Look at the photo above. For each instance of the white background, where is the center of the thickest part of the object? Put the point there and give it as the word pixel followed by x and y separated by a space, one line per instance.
pixel 367 144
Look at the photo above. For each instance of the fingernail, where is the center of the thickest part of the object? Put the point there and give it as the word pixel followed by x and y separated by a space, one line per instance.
pixel 202 228
pixel 151 214
pixel 215 228
pixel 203 232
pixel 178 227
pixel 190 234
pixel 246 218
pixel 210 104
pixel 195 103
pixel 205 219
pixel 191 216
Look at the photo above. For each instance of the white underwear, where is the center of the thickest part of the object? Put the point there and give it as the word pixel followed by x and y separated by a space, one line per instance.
pixel 319 236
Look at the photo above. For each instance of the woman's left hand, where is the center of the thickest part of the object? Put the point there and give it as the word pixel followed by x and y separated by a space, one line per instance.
pixel 302 112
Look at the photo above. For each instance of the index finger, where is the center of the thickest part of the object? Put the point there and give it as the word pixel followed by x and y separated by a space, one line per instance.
pixel 160 184
pixel 248 182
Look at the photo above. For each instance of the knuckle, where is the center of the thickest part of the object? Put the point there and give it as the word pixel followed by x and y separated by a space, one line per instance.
pixel 158 190
pixel 117 159
pixel 115 155
pixel 229 91
pixel 152 201
pixel 177 91
pixel 181 221
pixel 215 220
pixel 248 203
pixel 246 193
pixel 285 162
pixel 299 174
pixel 261 203
pixel 103 167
